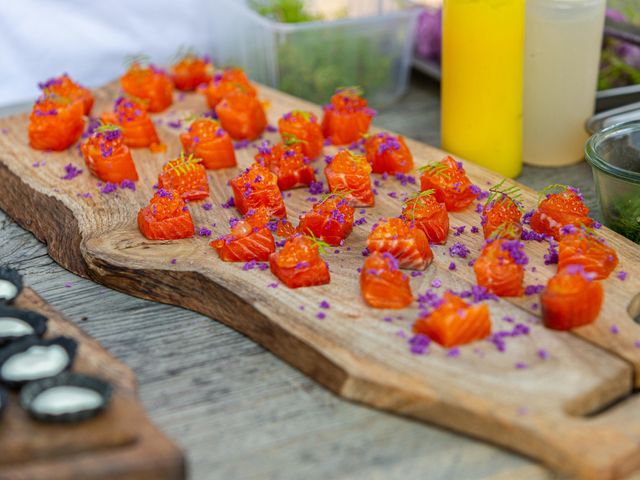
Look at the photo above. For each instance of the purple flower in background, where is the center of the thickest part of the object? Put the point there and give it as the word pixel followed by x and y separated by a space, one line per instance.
pixel 429 35
pixel 620 61
pixel 615 15
pixel 630 54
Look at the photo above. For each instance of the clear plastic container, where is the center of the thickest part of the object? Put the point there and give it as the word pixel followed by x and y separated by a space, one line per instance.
pixel 369 45
pixel 614 156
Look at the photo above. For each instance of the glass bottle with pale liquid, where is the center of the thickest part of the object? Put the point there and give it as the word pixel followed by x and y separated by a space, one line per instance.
pixel 482 84
pixel 562 55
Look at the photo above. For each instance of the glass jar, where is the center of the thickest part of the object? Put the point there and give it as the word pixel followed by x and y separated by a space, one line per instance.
pixel 614 155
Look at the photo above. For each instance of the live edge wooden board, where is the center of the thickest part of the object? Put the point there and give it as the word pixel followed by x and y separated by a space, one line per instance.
pixel 119 444
pixel 552 410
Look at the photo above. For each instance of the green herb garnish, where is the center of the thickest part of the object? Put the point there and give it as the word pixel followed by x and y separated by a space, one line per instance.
pixel 140 59
pixel 353 90
pixel 436 169
pixel 107 127
pixel 184 165
pixel 504 230
pixel 342 194
pixel 185 52
pixel 322 246
pixel 499 194
pixel 550 189
pixel 414 198
pixel 291 139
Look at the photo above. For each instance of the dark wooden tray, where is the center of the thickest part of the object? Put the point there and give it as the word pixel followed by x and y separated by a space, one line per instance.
pixel 120 443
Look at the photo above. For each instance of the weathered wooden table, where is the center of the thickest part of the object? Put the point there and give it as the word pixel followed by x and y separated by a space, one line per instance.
pixel 240 412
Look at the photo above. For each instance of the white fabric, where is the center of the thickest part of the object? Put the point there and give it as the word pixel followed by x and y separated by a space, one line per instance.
pixel 89 39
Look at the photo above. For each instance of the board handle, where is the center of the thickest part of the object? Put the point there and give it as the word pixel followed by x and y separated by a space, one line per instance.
pixel 600 446
pixel 633 309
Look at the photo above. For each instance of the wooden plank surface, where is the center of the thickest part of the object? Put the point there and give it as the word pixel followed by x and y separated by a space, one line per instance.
pixel 352 352
pixel 412 445
pixel 119 443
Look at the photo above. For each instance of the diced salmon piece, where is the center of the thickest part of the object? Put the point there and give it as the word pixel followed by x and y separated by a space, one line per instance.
pixel 382 284
pixel 454 322
pixel 407 243
pixel 299 264
pixel 349 174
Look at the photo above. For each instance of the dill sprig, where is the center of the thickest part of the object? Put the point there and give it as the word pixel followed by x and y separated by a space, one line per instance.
pixel 352 90
pixel 358 159
pixel 415 199
pixel 500 195
pixel 107 127
pixel 436 169
pixel 57 98
pixel 191 117
pixel 304 114
pixel 291 139
pixel 423 193
pixel 505 229
pixel 588 230
pixel 322 246
pixel 592 234
pixel 240 86
pixel 143 101
pixel 185 52
pixel 140 59
pixel 342 194
pixel 549 189
pixel 184 165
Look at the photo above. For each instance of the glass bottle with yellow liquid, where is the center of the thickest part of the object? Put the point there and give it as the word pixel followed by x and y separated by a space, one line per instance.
pixel 482 82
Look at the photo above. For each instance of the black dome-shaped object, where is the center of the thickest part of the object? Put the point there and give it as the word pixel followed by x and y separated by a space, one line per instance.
pixel 16 324
pixel 33 358
pixel 10 284
pixel 68 397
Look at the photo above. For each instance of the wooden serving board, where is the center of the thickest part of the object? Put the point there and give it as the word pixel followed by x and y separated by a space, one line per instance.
pixel 542 407
pixel 119 443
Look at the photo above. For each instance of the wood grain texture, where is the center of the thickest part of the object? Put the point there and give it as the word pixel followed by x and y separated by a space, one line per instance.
pixel 120 443
pixel 230 388
pixel 364 360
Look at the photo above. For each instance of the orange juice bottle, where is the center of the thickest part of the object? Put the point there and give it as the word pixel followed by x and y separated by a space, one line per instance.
pixel 482 82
